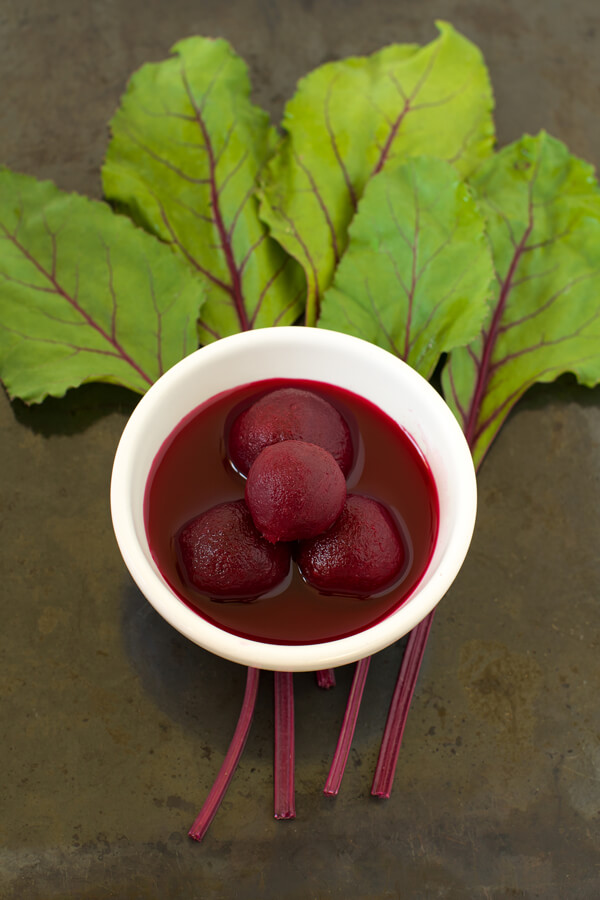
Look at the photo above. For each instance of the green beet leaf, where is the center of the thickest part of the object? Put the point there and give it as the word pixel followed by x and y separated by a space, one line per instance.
pixel 85 295
pixel 187 147
pixel 417 272
pixel 350 120
pixel 542 207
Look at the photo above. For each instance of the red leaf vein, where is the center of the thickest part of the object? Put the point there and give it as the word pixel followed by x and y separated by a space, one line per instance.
pixel 118 350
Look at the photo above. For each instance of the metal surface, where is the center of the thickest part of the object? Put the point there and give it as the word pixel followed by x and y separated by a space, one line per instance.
pixel 113 726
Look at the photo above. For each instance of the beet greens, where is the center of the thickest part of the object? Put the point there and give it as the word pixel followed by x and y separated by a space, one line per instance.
pixel 350 120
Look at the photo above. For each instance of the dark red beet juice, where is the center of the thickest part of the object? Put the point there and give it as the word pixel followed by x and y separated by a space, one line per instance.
pixel 191 473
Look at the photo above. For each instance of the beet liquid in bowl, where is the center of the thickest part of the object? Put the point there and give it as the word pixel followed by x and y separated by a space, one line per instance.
pixel 409 452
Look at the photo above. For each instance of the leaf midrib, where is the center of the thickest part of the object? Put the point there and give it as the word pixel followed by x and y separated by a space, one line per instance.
pixel 111 339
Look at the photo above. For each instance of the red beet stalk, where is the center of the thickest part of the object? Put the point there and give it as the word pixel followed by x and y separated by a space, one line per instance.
pixel 284 797
pixel 325 679
pixel 232 757
pixel 399 707
pixel 401 700
pixel 340 756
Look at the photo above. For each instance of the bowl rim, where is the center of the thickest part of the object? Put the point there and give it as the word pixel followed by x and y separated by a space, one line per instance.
pixel 247 651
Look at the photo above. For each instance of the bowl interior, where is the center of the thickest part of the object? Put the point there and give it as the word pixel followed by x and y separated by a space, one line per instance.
pixel 302 353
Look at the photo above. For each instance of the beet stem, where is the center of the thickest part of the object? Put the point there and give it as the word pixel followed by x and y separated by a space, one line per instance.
pixel 340 756
pixel 399 707
pixel 325 679
pixel 232 757
pixel 284 799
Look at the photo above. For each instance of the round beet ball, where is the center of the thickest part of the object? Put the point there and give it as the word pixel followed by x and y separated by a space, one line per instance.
pixel 225 557
pixel 362 554
pixel 289 414
pixel 294 490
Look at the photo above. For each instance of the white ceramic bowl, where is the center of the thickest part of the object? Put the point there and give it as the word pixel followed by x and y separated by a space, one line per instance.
pixel 303 353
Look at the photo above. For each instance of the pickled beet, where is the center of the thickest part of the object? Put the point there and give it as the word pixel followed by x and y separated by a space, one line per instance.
pixel 361 554
pixel 294 490
pixel 289 414
pixel 225 557
pixel 189 475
